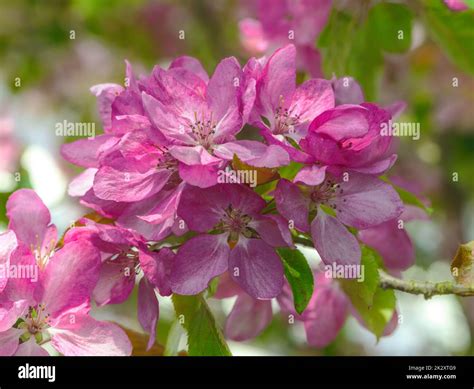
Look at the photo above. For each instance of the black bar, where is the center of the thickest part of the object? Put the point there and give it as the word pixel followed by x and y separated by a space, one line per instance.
pixel 320 372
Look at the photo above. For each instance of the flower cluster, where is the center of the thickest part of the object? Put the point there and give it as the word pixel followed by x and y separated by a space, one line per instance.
pixel 163 218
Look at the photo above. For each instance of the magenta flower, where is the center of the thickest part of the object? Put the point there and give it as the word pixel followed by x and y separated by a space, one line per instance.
pixel 51 301
pixel 248 317
pixel 350 137
pixel 390 239
pixel 287 21
pixel 282 110
pixel 362 201
pixel 201 123
pixel 326 312
pixel 233 235
pixel 123 255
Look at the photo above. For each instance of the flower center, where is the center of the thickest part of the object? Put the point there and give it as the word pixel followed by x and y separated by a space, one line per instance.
pixel 235 222
pixel 35 321
pixel 166 160
pixel 128 261
pixel 204 130
pixel 285 120
pixel 325 193
pixel 42 256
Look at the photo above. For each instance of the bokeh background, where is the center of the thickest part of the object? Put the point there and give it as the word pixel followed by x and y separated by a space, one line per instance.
pixel 52 51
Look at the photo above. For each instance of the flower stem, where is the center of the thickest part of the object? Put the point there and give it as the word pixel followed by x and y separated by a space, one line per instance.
pixel 427 288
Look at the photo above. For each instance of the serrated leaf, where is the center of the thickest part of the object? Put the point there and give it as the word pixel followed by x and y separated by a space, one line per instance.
pixel 205 338
pixel 462 266
pixel 299 275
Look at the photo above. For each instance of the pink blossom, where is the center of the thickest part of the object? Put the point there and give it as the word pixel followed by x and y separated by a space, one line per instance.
pixel 248 317
pixel 282 110
pixel 287 21
pixel 350 136
pixel 326 312
pixel 242 240
pixel 123 255
pixel 361 201
pixel 54 306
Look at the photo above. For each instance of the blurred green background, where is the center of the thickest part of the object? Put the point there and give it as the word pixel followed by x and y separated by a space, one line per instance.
pixel 51 52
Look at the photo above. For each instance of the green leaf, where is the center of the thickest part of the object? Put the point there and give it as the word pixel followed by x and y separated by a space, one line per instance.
pixel 205 338
pixel 172 342
pixel 452 31
pixel 374 304
pixel 299 275
pixel 354 47
pixel 410 198
pixel 390 25
pixel 366 289
pixel 289 171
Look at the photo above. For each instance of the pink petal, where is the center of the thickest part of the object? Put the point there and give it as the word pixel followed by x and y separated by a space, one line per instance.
pixel 106 94
pixel 148 310
pixel 366 201
pixel 191 64
pixel 202 176
pixel 222 90
pixel 257 268
pixel 157 268
pixel 201 209
pixel 311 175
pixel 77 334
pixel 334 243
pixel 277 81
pixel 31 349
pixel 273 229
pixel 9 341
pixel 20 288
pixel 86 152
pixel 198 261
pixel 29 218
pixel 344 121
pixel 8 244
pixel 292 204
pixel 327 312
pixel 196 155
pixel 310 99
pixel 114 285
pixel 347 91
pixel 392 243
pixel 248 318
pixel 115 185
pixel 253 153
pixel 10 311
pixel 69 277
pixel 79 186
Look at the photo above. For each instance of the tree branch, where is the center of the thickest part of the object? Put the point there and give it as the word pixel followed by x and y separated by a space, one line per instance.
pixel 426 288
